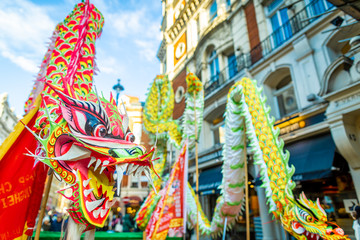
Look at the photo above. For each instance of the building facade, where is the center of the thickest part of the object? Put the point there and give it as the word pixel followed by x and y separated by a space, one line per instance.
pixel 8 119
pixel 305 54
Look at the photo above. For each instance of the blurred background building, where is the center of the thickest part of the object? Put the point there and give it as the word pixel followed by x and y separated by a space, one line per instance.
pixel 306 56
pixel 7 117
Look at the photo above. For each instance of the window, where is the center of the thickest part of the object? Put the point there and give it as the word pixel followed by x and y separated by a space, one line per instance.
pixel 164 66
pixel 218 128
pixel 317 7
pixel 228 3
pixel 232 65
pixel 198 27
pixel 285 97
pixel 274 4
pixel 280 26
pixel 214 67
pixel 213 11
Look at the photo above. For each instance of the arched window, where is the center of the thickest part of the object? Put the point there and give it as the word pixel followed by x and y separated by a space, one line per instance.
pixel 281 93
pixel 285 96
pixel 214 69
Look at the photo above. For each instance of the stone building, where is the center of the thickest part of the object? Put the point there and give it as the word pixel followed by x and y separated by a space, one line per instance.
pixel 7 117
pixel 305 54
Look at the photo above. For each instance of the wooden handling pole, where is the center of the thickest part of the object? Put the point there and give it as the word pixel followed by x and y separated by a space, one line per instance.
pixel 197 170
pixel 246 192
pixel 43 203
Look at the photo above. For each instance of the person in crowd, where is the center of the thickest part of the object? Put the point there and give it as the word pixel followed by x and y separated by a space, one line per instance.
pixel 46 224
pixel 127 224
pixel 356 225
pixel 118 224
pixel 56 225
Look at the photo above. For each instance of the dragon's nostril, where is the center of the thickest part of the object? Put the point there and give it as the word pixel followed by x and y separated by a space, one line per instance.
pixel 130 137
pixel 339 231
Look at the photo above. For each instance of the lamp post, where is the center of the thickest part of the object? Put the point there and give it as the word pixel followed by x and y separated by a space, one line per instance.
pixel 118 88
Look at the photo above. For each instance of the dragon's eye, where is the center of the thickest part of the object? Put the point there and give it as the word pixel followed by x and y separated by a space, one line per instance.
pixel 130 137
pixel 99 131
pixel 306 216
pixel 309 218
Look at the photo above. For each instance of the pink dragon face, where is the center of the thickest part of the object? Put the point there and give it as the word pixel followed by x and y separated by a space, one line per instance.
pixel 90 147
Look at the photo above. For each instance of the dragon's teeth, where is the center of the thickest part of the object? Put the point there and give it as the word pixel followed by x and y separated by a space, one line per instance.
pixel 130 169
pixel 87 192
pixel 139 171
pixel 102 169
pixel 123 167
pixel 86 182
pixel 109 204
pixel 90 206
pixel 92 160
pixel 119 178
pixel 96 213
pixel 103 212
pixel 148 175
pixel 98 162
pixel 317 237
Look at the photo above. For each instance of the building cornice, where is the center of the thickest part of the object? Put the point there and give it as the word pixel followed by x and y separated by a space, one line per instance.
pixel 186 13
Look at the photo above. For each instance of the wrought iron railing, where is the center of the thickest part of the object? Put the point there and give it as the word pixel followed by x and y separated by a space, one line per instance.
pixel 277 38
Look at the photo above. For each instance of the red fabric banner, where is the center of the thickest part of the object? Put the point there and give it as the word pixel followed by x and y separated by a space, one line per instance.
pixel 170 213
pixel 18 182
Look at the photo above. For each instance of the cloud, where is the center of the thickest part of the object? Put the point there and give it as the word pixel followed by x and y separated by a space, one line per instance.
pixel 24 27
pixel 127 23
pixel 147 49
pixel 109 65
pixel 138 26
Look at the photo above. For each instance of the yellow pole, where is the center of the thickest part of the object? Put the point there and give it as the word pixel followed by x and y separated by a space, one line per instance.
pixel 197 170
pixel 43 204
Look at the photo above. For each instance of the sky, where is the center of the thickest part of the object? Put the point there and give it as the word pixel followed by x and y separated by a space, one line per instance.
pixel 126 49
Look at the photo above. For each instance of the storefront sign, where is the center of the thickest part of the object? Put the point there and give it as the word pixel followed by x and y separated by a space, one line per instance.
pixel 349 204
pixel 295 122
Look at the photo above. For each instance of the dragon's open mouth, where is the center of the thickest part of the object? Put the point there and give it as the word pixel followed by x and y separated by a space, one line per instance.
pixel 300 230
pixel 99 175
pixel 331 232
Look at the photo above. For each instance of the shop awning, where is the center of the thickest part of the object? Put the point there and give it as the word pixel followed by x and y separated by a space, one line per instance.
pixel 312 157
pixel 209 181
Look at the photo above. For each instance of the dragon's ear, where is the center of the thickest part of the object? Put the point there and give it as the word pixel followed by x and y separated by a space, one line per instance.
pixel 112 100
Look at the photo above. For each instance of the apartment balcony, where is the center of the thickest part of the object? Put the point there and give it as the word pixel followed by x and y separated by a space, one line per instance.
pixel 309 14
pixel 285 32
pixel 228 74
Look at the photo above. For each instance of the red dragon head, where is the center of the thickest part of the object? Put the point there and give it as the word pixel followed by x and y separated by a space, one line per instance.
pixel 84 138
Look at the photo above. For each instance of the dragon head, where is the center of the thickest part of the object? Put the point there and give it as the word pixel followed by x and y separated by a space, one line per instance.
pixel 88 143
pixel 307 220
pixel 83 137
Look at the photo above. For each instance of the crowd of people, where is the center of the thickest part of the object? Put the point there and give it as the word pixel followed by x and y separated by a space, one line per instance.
pixel 120 223
pixel 57 222
pixel 54 222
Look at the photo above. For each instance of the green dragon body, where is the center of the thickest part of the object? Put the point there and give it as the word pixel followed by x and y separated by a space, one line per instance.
pixel 247 118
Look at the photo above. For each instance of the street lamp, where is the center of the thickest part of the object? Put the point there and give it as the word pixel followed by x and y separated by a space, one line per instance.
pixel 118 88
